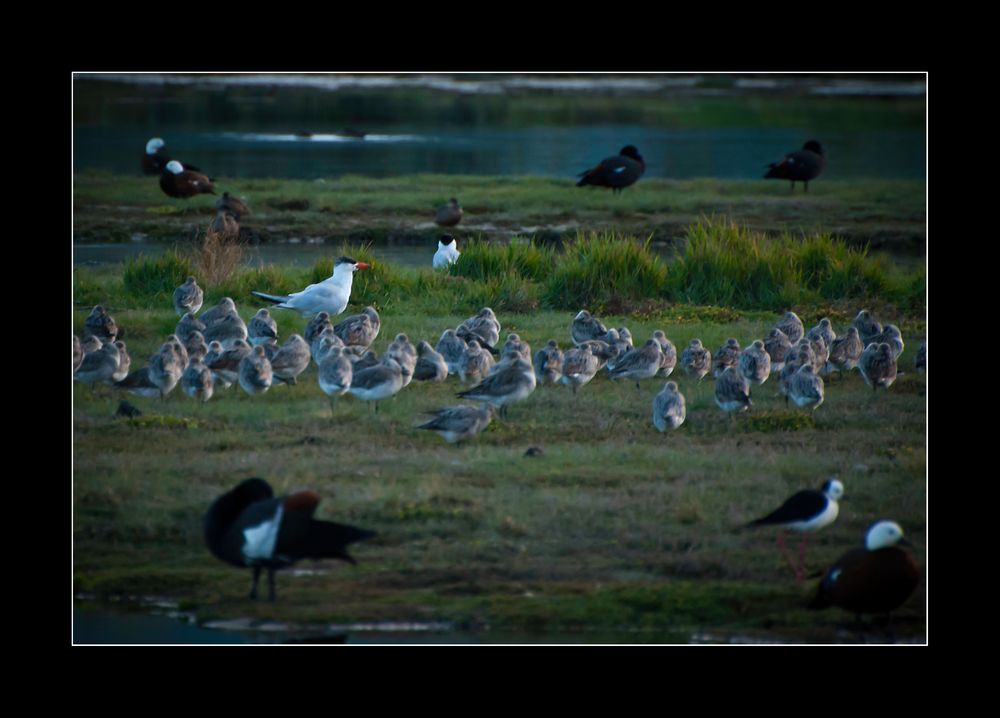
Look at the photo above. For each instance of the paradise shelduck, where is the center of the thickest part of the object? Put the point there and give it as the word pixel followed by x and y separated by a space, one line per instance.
pixel 175 181
pixel 878 578
pixel 801 166
pixel 806 511
pixel 249 527
pixel 617 172
pixel 448 215
pixel 155 160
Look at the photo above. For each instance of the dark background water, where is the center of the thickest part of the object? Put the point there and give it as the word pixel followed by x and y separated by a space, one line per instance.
pixel 686 126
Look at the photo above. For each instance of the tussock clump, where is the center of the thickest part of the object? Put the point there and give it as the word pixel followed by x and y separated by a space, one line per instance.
pixel 218 257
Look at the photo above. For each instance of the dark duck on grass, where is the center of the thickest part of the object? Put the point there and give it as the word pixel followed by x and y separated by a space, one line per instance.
pixel 618 172
pixel 249 527
pixel 175 181
pixel 801 166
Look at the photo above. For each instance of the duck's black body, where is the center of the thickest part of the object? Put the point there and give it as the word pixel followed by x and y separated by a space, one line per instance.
pixel 249 527
pixel 801 166
pixel 618 172
pixel 864 581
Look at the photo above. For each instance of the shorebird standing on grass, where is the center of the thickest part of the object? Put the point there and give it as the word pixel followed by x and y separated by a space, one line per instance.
pixel 891 336
pixel 845 351
pixel 188 297
pixel 197 381
pixel 484 328
pixel 225 307
pixel 101 325
pixel 476 364
pixel 668 359
pixel 732 391
pixel 696 360
pixel 98 366
pixel 641 363
pixel 452 349
pixel 335 374
pixel 359 330
pixel 378 382
pixel 290 360
pixel 124 362
pixel 806 511
pixel 262 328
pixel 727 356
pixel 166 368
pixel 878 366
pixel 791 326
pixel 777 345
pixel 824 329
pixel 805 388
pixel 188 324
pixel 585 327
pixel 510 384
pixel 669 408
pixel 430 365
pixel 579 366
pixel 458 423
pixel 256 375
pixel 405 354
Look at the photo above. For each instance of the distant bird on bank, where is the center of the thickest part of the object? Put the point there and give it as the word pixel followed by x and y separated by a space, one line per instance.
pixel 801 166
pixel 669 408
pixel 248 527
pixel 233 205
pixel 579 366
pixel 188 298
pixel 449 214
pixel 175 181
pixel 447 252
pixel 618 172
pixel 458 423
pixel 806 511
pixel 331 295
pixel 225 224
pixel 878 578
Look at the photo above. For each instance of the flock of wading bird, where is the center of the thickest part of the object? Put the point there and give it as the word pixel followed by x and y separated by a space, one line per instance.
pixel 249 527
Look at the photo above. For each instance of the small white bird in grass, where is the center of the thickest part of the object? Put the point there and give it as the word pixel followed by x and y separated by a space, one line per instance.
pixel 197 381
pixel 256 375
pixel 447 252
pixel 807 511
pixel 806 388
pixel 458 423
pixel 188 297
pixel 331 295
pixel 669 408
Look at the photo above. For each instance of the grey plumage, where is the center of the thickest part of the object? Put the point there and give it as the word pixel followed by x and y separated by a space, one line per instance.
pixel 430 366
pixel 139 383
pixel 324 342
pixel 166 368
pixel 484 328
pixel 225 363
pixel 510 384
pixel 791 326
pixel 197 381
pixel 476 363
pixel 641 363
pixel 845 350
pixel 696 360
pixel 262 329
pixel 458 423
pixel 878 366
pixel 78 353
pixel 727 356
pixel 405 354
pixel 755 363
pixel 579 366
pixel 920 361
pixel 891 336
pixel 316 326
pixel 101 325
pixel 290 360
pixel 226 330
pixel 732 391
pixel 669 408
pixel 548 363
pixel 91 344
pixel 378 382
pixel 196 347
pixel 799 356
pixel 226 224
pixel 805 387
pixel 255 374
pixel 189 324
pixel 225 306
pixel 452 349
pixel 777 345
pixel 668 359
pixel 867 326
pixel 335 373
pixel 180 349
pixel 98 366
pixel 825 330
pixel 585 327
pixel 188 297
pixel 359 330
pixel 124 362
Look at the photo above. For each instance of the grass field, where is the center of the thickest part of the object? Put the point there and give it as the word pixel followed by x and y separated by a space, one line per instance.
pixel 887 215
pixel 615 533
